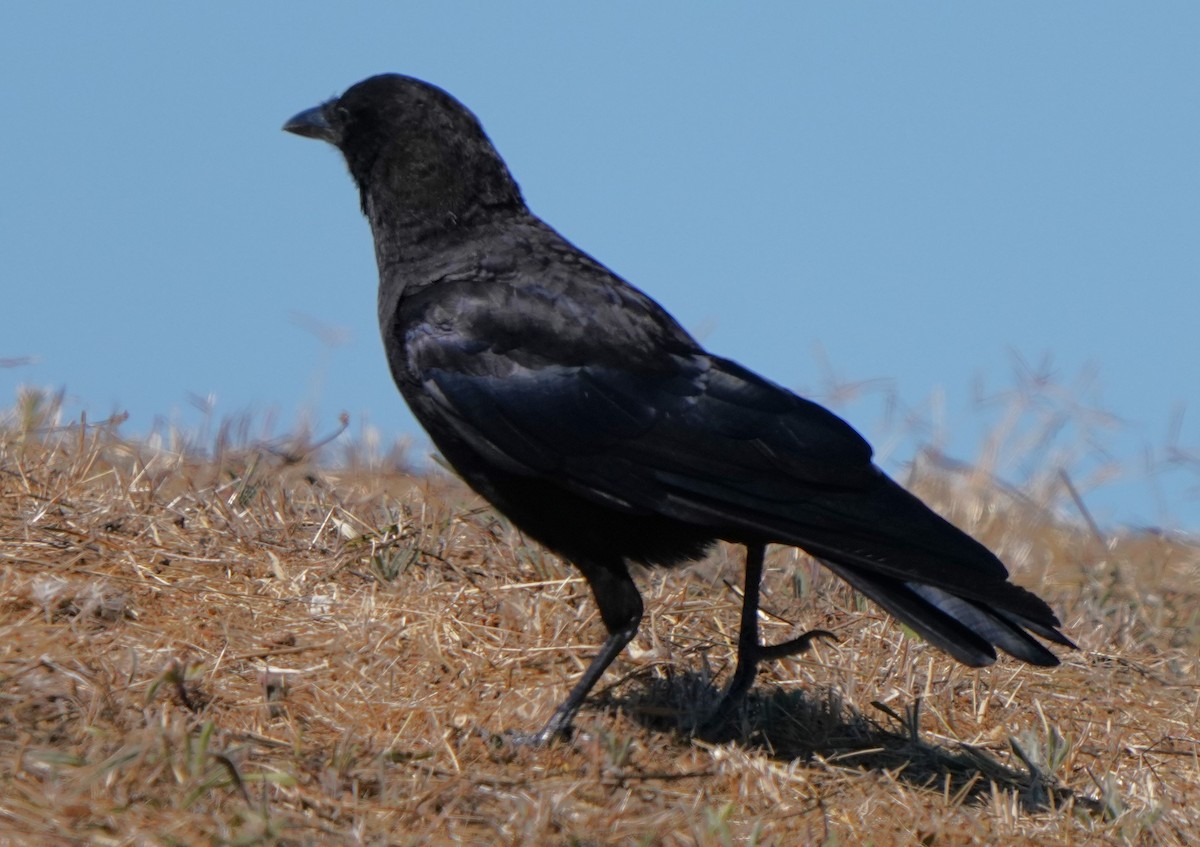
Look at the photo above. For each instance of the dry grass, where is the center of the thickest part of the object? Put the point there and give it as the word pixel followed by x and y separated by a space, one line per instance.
pixel 246 650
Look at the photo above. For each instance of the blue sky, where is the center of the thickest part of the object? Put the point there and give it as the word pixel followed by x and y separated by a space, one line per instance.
pixel 928 199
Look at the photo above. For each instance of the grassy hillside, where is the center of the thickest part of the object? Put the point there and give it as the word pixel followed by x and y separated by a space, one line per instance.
pixel 250 648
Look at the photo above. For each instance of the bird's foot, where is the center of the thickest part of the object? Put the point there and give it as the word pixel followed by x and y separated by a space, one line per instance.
pixel 718 725
pixel 516 739
pixel 795 646
pixel 558 728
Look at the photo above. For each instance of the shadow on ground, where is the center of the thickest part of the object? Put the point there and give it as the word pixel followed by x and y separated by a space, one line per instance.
pixel 799 725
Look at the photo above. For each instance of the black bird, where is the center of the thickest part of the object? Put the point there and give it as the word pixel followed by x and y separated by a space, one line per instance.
pixel 585 413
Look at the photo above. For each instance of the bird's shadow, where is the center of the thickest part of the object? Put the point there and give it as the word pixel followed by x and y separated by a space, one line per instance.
pixel 794 726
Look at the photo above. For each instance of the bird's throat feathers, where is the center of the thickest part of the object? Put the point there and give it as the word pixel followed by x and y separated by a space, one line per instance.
pixel 419 190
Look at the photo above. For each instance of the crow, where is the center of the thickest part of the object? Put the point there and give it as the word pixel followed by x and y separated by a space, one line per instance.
pixel 588 416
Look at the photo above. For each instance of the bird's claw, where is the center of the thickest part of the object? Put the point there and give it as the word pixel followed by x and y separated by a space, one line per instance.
pixel 794 646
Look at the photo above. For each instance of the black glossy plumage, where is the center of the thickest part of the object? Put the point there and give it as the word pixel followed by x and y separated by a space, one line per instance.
pixel 587 415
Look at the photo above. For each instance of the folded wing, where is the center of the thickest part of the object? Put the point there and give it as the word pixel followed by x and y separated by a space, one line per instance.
pixel 703 440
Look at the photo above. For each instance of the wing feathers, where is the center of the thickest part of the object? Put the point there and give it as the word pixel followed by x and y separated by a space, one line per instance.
pixel 711 444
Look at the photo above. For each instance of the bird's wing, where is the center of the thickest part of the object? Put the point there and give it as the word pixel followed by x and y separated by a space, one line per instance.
pixel 602 391
pixel 703 440
pixel 692 437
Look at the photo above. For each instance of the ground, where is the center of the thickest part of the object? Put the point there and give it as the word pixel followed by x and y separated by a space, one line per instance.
pixel 249 647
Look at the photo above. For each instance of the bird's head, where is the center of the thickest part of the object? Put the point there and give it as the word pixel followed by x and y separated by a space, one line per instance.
pixel 418 156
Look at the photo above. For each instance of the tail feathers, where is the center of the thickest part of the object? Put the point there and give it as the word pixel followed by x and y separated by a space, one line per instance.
pixel 1042 630
pixel 968 630
pixel 993 625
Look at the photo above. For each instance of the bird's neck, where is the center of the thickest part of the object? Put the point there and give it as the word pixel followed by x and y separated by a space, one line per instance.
pixel 412 246
pixel 408 224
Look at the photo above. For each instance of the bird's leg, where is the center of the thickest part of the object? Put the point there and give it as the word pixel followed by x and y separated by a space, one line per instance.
pixel 750 652
pixel 621 609
pixel 559 724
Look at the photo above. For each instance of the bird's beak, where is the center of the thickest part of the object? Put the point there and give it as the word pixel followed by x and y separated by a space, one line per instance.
pixel 314 123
